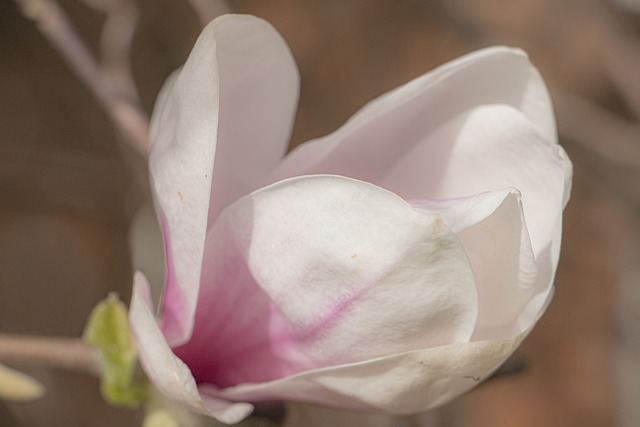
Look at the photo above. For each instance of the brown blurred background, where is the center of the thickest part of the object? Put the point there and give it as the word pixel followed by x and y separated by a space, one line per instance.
pixel 68 193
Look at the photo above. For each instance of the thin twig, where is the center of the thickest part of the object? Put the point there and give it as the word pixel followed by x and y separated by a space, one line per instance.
pixel 53 23
pixel 118 31
pixel 67 353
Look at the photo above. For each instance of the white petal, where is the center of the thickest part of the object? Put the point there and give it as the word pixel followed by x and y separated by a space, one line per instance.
pixel 493 232
pixel 405 383
pixel 371 141
pixel 495 147
pixel 489 148
pixel 464 212
pixel 240 71
pixel 323 270
pixel 258 99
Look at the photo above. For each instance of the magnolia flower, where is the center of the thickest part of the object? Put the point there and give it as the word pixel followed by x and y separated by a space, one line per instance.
pixel 389 266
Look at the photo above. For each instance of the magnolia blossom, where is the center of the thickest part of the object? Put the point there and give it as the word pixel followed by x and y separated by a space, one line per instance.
pixel 387 267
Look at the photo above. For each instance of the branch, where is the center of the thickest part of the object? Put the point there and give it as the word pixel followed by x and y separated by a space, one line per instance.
pixel 118 31
pixel 53 23
pixel 67 353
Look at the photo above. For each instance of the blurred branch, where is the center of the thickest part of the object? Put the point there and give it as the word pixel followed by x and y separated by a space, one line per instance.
pixel 68 353
pixel 121 20
pixel 120 104
pixel 209 9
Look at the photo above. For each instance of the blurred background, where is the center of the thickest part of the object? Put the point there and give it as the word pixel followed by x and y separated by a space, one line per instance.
pixel 70 183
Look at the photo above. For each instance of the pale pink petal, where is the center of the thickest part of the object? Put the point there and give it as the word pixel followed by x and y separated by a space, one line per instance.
pixel 481 123
pixel 324 270
pixel 371 141
pixel 168 373
pixel 460 213
pixel 506 273
pixel 259 85
pixel 494 147
pixel 488 148
pixel 240 71
pixel 493 232
pixel 404 383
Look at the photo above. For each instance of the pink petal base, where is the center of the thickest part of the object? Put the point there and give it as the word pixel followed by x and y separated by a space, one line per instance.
pixel 398 384
pixel 167 372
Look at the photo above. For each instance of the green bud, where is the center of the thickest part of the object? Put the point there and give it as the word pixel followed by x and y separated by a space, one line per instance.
pixel 108 330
